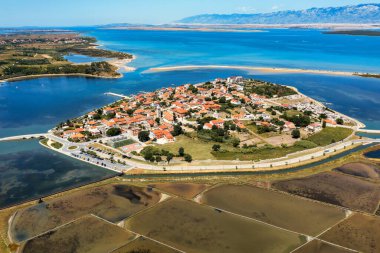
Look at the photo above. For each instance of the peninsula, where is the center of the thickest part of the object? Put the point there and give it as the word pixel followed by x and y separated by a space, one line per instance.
pixel 42 54
pixel 210 126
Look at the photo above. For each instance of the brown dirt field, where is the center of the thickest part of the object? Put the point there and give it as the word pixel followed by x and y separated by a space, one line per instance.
pixel 359 232
pixel 88 234
pixel 111 202
pixel 275 208
pixel 358 169
pixel 186 190
pixel 335 188
pixel 191 227
pixel 144 245
pixel 317 246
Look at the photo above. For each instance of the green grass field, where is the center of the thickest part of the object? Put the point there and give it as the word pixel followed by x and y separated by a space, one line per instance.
pixel 329 135
pixel 56 145
pixel 257 154
pixel 198 149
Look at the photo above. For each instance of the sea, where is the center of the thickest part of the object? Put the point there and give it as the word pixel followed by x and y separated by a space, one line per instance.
pixel 37 105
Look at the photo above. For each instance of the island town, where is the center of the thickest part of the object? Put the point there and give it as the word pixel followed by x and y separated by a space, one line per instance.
pixel 231 119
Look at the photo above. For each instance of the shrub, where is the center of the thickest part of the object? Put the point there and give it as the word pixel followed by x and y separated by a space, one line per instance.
pixel 188 158
pixel 113 131
pixel 143 136
pixel 296 134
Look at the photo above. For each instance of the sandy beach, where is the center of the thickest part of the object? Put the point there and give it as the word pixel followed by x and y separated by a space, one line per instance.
pixel 121 64
pixel 261 69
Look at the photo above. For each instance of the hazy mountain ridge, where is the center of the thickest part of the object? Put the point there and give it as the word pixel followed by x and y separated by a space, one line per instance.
pixel 362 13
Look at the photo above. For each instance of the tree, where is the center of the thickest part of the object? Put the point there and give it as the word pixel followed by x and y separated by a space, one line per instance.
pixel 158 120
pixel 340 121
pixel 181 151
pixel 143 136
pixel 324 124
pixel 296 134
pixel 169 157
pixel 188 158
pixel 216 147
pixel 235 142
pixel 177 130
pixel 148 156
pixel 113 131
pixel 158 159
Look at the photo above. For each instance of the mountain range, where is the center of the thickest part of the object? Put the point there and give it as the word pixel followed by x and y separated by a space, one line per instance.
pixel 362 13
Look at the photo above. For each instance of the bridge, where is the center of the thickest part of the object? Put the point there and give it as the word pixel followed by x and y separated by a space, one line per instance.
pixel 23 137
pixel 116 95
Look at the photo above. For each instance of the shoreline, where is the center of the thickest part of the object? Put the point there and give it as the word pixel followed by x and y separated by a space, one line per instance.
pixel 261 69
pixel 120 64
pixel 20 78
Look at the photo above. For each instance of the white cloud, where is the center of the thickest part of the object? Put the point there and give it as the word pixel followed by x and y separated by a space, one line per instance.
pixel 245 9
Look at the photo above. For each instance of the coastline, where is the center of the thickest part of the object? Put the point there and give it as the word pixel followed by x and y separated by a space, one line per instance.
pixel 120 64
pixel 20 78
pixel 261 69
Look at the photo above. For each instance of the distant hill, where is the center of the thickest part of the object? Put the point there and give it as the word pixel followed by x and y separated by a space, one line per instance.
pixel 362 13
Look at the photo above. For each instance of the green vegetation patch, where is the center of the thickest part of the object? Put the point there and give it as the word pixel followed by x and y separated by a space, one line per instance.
pixel 256 153
pixel 198 149
pixel 123 143
pixel 56 145
pixel 196 228
pixel 330 135
pixel 267 89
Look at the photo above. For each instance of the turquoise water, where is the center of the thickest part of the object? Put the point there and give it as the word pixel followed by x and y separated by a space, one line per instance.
pixel 78 58
pixel 36 105
pixel 294 48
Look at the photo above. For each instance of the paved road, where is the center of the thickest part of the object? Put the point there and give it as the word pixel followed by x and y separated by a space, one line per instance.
pixel 270 163
pixel 22 137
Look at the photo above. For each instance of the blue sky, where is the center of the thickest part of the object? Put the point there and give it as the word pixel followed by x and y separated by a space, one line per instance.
pixel 90 12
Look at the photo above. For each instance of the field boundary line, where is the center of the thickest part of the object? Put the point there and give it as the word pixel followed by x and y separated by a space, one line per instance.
pixel 205 190
pixel 333 244
pixel 259 221
pixel 137 237
pixel 150 207
pixel 55 228
pixel 147 237
pixel 337 223
pixel 301 246
pixel 284 229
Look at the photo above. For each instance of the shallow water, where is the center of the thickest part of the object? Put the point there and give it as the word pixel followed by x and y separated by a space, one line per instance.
pixel 29 171
pixel 78 58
